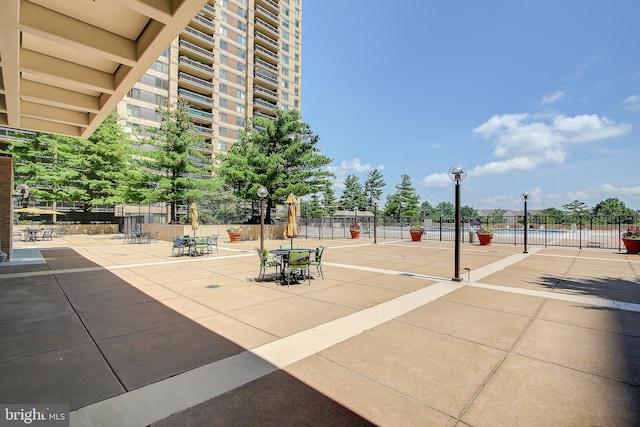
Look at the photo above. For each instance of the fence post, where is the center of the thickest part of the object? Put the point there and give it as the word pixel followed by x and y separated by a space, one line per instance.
pixel 440 228
pixel 580 234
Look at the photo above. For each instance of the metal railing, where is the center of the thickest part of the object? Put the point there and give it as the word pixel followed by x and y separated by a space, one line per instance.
pixel 579 231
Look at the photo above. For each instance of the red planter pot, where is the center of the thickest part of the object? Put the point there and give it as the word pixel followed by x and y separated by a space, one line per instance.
pixel 354 234
pixel 234 236
pixel 485 239
pixel 416 236
pixel 632 245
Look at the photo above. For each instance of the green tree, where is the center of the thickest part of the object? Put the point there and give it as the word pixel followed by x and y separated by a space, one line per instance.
pixel 279 154
pixel 177 170
pixel 551 216
pixel 405 202
pixel 444 209
pixel 373 186
pixel 106 165
pixel 425 210
pixel 611 210
pixel 44 162
pixel 576 207
pixel 468 213
pixel 353 194
pixel 63 169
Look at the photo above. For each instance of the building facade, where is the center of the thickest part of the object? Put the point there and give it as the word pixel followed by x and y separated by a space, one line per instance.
pixel 235 60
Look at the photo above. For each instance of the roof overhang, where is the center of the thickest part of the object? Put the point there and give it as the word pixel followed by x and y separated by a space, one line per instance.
pixel 64 65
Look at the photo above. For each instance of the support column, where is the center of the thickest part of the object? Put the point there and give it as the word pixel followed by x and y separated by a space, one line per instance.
pixel 6 205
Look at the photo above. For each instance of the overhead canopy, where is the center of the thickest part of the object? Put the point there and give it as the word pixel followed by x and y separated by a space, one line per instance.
pixel 65 64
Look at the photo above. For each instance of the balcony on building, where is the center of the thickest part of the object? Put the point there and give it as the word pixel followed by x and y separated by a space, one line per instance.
pixel 258 113
pixel 264 105
pixel 196 52
pixel 263 25
pixel 200 116
pixel 266 41
pixel 195 83
pixel 266 54
pixel 203 130
pixel 267 65
pixel 197 37
pixel 269 4
pixel 196 98
pixel 265 14
pixel 209 10
pixel 202 23
pixel 264 92
pixel 269 79
pixel 194 67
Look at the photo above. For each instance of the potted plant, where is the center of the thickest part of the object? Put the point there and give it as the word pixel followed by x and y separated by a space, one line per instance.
pixel 631 239
pixel 235 233
pixel 416 233
pixel 485 234
pixel 354 229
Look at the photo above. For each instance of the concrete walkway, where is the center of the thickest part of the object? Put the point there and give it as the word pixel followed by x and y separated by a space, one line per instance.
pixel 129 336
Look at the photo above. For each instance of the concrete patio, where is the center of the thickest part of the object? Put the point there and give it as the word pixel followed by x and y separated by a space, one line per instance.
pixel 129 336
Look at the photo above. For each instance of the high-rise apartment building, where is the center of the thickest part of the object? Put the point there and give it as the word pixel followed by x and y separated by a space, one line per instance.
pixel 237 59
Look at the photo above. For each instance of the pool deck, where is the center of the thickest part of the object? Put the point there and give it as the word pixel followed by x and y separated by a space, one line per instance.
pixel 129 336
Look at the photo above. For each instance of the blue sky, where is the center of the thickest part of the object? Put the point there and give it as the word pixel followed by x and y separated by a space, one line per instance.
pixel 539 96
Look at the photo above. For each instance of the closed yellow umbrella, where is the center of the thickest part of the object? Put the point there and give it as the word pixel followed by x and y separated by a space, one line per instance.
pixel 194 217
pixel 38 211
pixel 292 213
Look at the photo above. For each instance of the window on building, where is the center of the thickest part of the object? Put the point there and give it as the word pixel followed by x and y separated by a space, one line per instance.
pixel 285 35
pixel 285 23
pixel 133 110
pixel 134 93
pixel 242 40
pixel 240 121
pixel 285 47
pixel 240 108
pixel 162 83
pixel 222 131
pixel 222 88
pixel 223 60
pixel 222 146
pixel 223 117
pixel 224 31
pixel 224 45
pixel 222 102
pixel 285 59
pixel 241 94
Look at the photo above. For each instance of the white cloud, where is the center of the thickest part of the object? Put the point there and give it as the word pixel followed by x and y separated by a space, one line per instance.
pixel 524 142
pixel 527 141
pixel 632 103
pixel 621 191
pixel 347 167
pixel 436 180
pixel 553 97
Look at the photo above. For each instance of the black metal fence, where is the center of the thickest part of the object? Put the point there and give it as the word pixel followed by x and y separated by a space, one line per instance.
pixel 577 231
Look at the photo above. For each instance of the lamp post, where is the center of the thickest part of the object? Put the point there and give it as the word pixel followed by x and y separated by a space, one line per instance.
pixel 262 193
pixel 457 174
pixel 375 222
pixel 525 196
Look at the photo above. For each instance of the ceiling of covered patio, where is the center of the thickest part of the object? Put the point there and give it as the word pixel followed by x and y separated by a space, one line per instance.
pixel 64 65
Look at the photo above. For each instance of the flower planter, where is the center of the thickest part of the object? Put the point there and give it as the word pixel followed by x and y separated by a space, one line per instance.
pixel 485 238
pixel 355 234
pixel 416 236
pixel 234 236
pixel 632 245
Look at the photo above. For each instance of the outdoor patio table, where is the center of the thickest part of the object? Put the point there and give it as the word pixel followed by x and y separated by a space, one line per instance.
pixel 283 256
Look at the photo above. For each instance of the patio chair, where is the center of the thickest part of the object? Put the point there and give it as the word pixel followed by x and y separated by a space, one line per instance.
pixel 202 245
pixel 178 246
pixel 212 242
pixel 317 261
pixel 47 234
pixel 266 263
pixel 298 263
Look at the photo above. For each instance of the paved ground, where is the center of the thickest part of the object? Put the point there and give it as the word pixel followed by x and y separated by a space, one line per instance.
pixel 129 336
